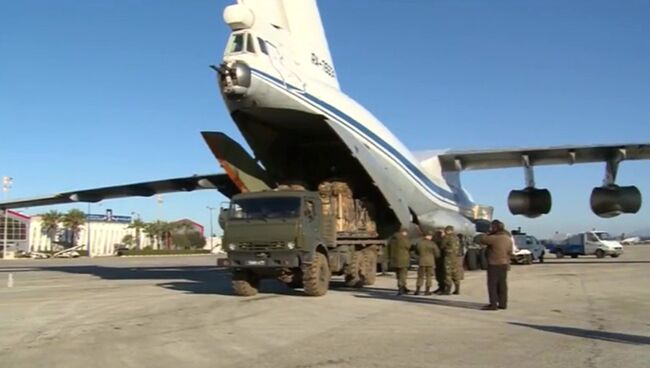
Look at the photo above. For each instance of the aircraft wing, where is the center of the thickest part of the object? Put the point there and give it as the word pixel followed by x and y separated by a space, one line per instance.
pixel 519 157
pixel 220 182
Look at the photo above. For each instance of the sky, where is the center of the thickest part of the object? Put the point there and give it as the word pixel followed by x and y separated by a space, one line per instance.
pixel 97 93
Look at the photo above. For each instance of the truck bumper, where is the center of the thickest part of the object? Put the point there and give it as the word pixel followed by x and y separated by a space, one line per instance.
pixel 276 259
pixel 617 252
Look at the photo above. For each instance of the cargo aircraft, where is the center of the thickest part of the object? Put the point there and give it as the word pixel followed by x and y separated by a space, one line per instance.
pixel 278 81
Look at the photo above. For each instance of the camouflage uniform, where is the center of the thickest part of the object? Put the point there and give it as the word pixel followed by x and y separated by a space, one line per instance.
pixel 451 247
pixel 400 259
pixel 427 252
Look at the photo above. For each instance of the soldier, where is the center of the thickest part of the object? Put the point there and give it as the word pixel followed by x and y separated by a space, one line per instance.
pixel 450 247
pixel 462 240
pixel 440 263
pixel 400 258
pixel 427 252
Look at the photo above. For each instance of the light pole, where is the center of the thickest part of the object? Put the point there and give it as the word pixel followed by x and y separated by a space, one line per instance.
pixel 159 200
pixel 136 216
pixel 6 185
pixel 211 231
pixel 90 253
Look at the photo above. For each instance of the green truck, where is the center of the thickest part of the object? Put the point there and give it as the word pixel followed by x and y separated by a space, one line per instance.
pixel 301 238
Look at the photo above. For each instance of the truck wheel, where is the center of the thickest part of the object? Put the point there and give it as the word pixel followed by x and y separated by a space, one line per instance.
pixel 600 253
pixel 541 258
pixel 316 276
pixel 559 253
pixel 574 256
pixel 472 259
pixel 529 260
pixel 356 269
pixel 371 266
pixel 615 255
pixel 245 283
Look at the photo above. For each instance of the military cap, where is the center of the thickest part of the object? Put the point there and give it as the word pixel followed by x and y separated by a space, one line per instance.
pixel 449 228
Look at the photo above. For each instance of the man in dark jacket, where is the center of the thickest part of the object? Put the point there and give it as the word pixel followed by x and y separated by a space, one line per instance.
pixel 400 258
pixel 499 250
pixel 440 262
pixel 427 252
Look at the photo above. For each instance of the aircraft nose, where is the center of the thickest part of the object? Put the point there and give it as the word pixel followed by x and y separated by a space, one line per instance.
pixel 234 78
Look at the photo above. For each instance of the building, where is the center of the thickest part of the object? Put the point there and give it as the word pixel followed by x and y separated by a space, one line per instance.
pixel 17 230
pixel 104 232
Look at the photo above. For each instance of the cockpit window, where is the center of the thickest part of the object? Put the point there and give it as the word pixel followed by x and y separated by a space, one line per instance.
pixel 262 44
pixel 250 46
pixel 237 43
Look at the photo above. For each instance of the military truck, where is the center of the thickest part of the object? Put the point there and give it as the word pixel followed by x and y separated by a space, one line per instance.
pixel 301 238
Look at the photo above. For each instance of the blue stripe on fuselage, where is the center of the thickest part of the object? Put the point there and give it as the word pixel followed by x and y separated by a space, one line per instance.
pixel 411 169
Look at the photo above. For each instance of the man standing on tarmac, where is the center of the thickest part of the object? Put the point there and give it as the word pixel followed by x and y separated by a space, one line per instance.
pixel 400 258
pixel 450 247
pixel 499 251
pixel 427 252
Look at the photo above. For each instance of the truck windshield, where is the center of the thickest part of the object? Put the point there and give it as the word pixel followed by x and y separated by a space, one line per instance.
pixel 265 208
pixel 603 235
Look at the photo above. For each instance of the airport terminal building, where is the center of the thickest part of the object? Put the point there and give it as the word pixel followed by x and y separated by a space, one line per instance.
pixel 104 232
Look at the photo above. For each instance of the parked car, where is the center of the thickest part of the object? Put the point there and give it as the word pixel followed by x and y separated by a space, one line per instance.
pixel 530 243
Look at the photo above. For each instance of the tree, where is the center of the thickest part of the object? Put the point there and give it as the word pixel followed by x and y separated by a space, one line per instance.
pixel 138 225
pixel 72 221
pixel 50 224
pixel 167 229
pixel 127 240
pixel 196 239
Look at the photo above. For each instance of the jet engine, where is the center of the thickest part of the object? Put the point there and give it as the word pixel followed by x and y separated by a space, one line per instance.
pixel 611 200
pixel 530 202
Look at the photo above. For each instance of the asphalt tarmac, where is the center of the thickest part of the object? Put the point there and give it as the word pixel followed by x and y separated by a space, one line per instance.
pixel 179 311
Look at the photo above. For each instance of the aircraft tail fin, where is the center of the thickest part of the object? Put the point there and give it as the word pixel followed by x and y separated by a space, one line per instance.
pixel 240 167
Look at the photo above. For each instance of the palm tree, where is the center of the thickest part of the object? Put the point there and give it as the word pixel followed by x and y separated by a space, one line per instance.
pixel 72 221
pixel 50 224
pixel 151 229
pixel 138 225
pixel 166 230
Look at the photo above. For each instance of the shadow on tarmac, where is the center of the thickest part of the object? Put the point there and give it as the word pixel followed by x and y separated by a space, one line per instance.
pixel 390 294
pixel 188 279
pixel 590 334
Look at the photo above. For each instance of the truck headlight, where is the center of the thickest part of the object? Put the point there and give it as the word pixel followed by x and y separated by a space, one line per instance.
pixel 232 246
pixel 291 245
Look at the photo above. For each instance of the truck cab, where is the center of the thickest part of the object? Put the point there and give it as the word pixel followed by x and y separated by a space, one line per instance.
pixel 272 229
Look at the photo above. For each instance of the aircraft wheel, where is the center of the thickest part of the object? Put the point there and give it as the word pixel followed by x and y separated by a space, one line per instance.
pixel 472 259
